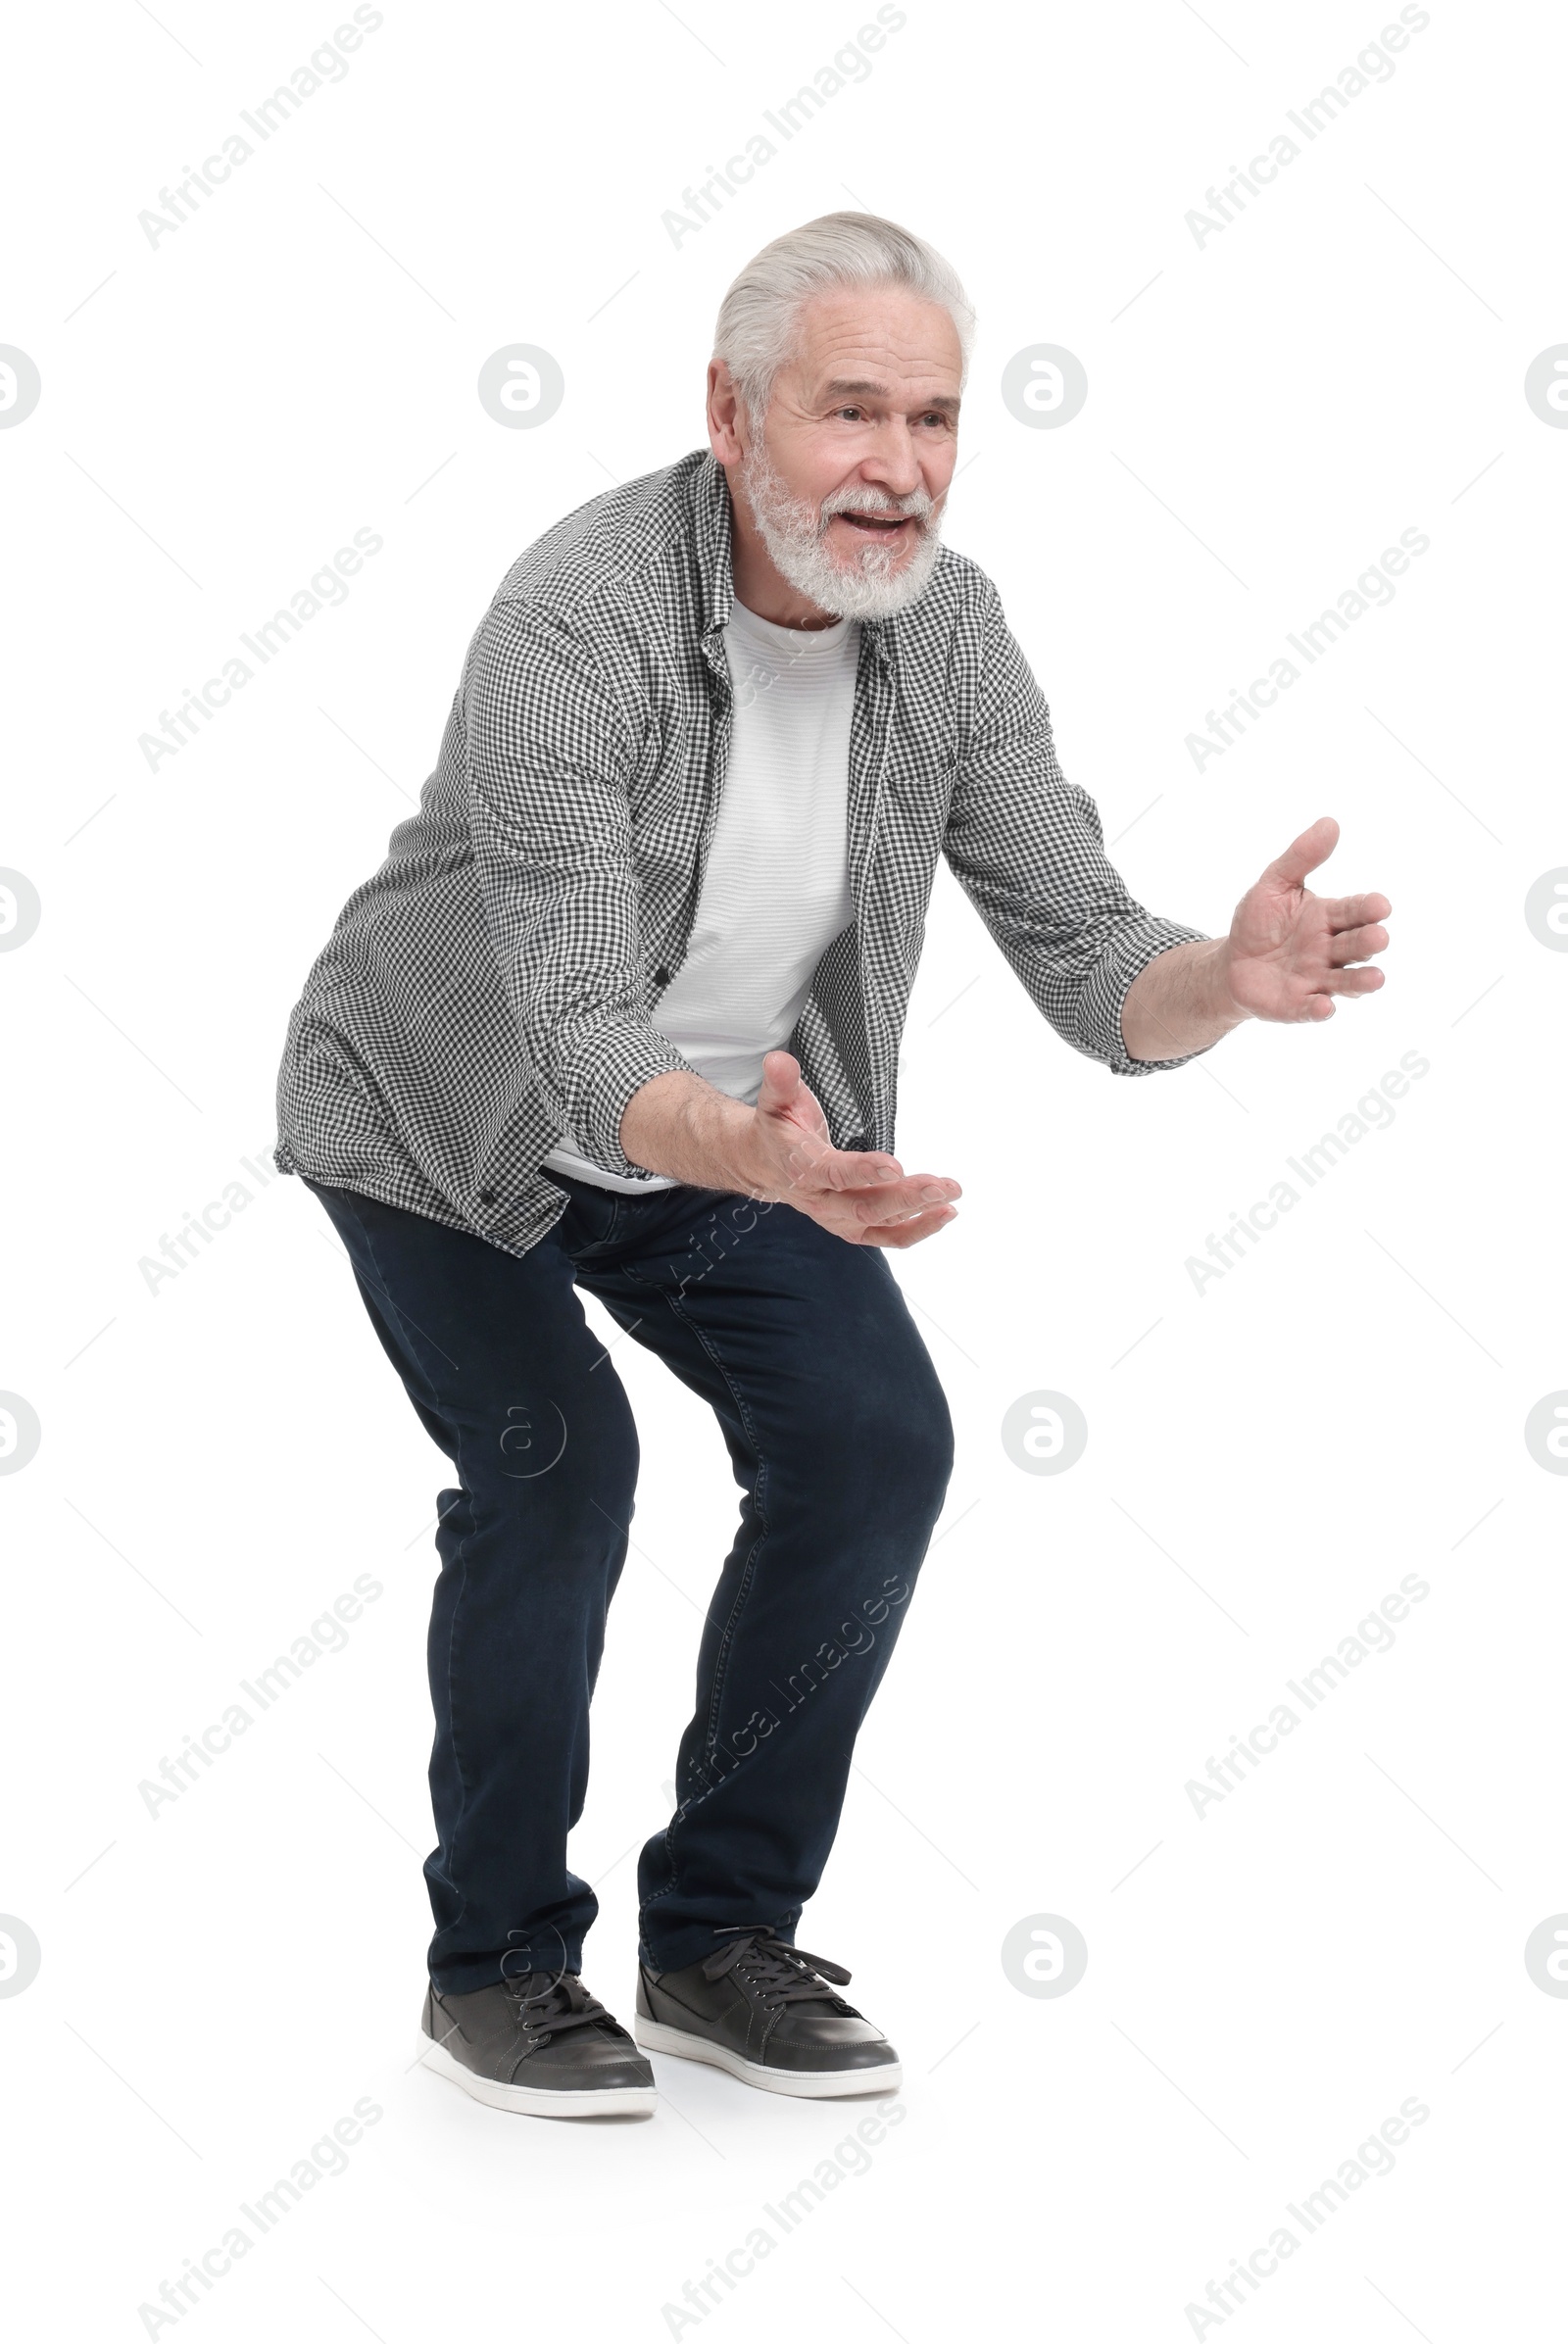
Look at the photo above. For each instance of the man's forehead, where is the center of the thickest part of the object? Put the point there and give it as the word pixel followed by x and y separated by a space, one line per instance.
pixel 913 360
pixel 868 335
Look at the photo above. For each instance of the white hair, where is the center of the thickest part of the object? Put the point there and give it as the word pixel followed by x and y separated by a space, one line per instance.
pixel 759 318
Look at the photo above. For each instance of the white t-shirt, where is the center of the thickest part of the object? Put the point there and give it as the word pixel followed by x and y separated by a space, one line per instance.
pixel 776 888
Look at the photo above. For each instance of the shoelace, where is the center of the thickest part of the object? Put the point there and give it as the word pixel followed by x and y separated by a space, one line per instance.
pixel 563 2002
pixel 780 1973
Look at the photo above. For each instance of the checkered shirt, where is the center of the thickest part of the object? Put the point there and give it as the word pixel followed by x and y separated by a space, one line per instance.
pixel 487 992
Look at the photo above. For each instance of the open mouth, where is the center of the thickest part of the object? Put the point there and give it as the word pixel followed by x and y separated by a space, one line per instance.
pixel 877 524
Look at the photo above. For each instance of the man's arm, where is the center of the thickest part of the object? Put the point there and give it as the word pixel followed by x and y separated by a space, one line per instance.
pixel 1287 954
pixel 548 755
pixel 1028 849
pixel 1138 992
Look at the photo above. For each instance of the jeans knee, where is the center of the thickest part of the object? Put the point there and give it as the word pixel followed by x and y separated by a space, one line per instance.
pixel 897 1444
pixel 923 1451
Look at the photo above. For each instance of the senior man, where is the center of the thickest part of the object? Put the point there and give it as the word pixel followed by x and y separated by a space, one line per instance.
pixel 621 1011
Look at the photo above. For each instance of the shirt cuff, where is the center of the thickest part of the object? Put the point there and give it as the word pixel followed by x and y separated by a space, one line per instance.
pixel 1099 1014
pixel 606 1064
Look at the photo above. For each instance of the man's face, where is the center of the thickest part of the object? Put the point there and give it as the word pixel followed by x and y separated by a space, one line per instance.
pixel 845 480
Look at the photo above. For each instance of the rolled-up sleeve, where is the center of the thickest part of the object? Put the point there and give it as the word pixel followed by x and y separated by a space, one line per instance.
pixel 549 756
pixel 1028 849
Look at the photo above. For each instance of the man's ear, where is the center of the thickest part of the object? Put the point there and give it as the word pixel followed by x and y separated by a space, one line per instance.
pixel 723 413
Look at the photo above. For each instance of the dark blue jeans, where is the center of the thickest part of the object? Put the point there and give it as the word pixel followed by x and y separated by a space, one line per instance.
pixel 841 1444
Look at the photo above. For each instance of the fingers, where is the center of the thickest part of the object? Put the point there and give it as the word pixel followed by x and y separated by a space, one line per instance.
pixel 1314 1007
pixel 1314 845
pixel 899 1214
pixel 909 1232
pixel 1356 944
pixel 1354 911
pixel 847 1168
pixel 899 1200
pixel 1319 1005
pixel 859 1195
pixel 1350 981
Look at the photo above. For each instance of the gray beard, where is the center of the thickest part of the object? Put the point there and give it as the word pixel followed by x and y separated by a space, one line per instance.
pixel 793 530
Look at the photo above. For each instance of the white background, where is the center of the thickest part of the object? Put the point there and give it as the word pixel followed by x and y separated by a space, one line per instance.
pixel 1267 1458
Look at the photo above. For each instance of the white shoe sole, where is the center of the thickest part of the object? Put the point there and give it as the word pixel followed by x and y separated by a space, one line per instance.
pixel 839 2084
pixel 526 2100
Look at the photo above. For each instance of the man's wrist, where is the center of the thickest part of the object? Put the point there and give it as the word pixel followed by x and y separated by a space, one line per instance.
pixel 1181 1002
pixel 683 1128
pixel 1223 1006
pixel 722 1134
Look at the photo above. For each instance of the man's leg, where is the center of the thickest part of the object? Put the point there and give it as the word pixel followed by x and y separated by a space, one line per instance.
pixel 507 1379
pixel 842 1443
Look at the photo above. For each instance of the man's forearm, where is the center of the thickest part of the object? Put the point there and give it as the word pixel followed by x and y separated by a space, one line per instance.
pixel 679 1125
pixel 1180 1002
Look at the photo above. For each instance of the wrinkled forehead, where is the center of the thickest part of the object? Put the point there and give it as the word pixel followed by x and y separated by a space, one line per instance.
pixel 882 346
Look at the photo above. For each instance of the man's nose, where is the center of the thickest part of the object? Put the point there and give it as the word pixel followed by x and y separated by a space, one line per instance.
pixel 896 463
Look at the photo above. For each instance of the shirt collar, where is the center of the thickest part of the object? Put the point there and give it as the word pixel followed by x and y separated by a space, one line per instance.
pixel 712 528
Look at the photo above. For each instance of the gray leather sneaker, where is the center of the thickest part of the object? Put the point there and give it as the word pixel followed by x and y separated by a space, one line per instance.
pixel 539 2044
pixel 767 2013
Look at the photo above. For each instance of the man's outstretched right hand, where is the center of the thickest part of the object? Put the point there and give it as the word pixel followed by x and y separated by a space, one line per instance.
pixel 780 1150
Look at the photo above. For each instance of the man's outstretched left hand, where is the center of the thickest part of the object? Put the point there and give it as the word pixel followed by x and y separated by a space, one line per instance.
pixel 1287 957
pixel 1290 952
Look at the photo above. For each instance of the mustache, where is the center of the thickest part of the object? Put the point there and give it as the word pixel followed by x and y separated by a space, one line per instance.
pixel 918 504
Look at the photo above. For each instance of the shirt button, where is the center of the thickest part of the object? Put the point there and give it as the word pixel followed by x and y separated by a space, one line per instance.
pixel 487 1195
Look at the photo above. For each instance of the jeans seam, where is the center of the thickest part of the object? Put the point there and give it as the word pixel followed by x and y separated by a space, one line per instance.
pixel 465 1800
pixel 747 1576
pixel 466 1796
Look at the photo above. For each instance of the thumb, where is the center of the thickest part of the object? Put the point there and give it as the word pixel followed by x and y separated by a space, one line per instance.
pixel 781 1080
pixel 1314 845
